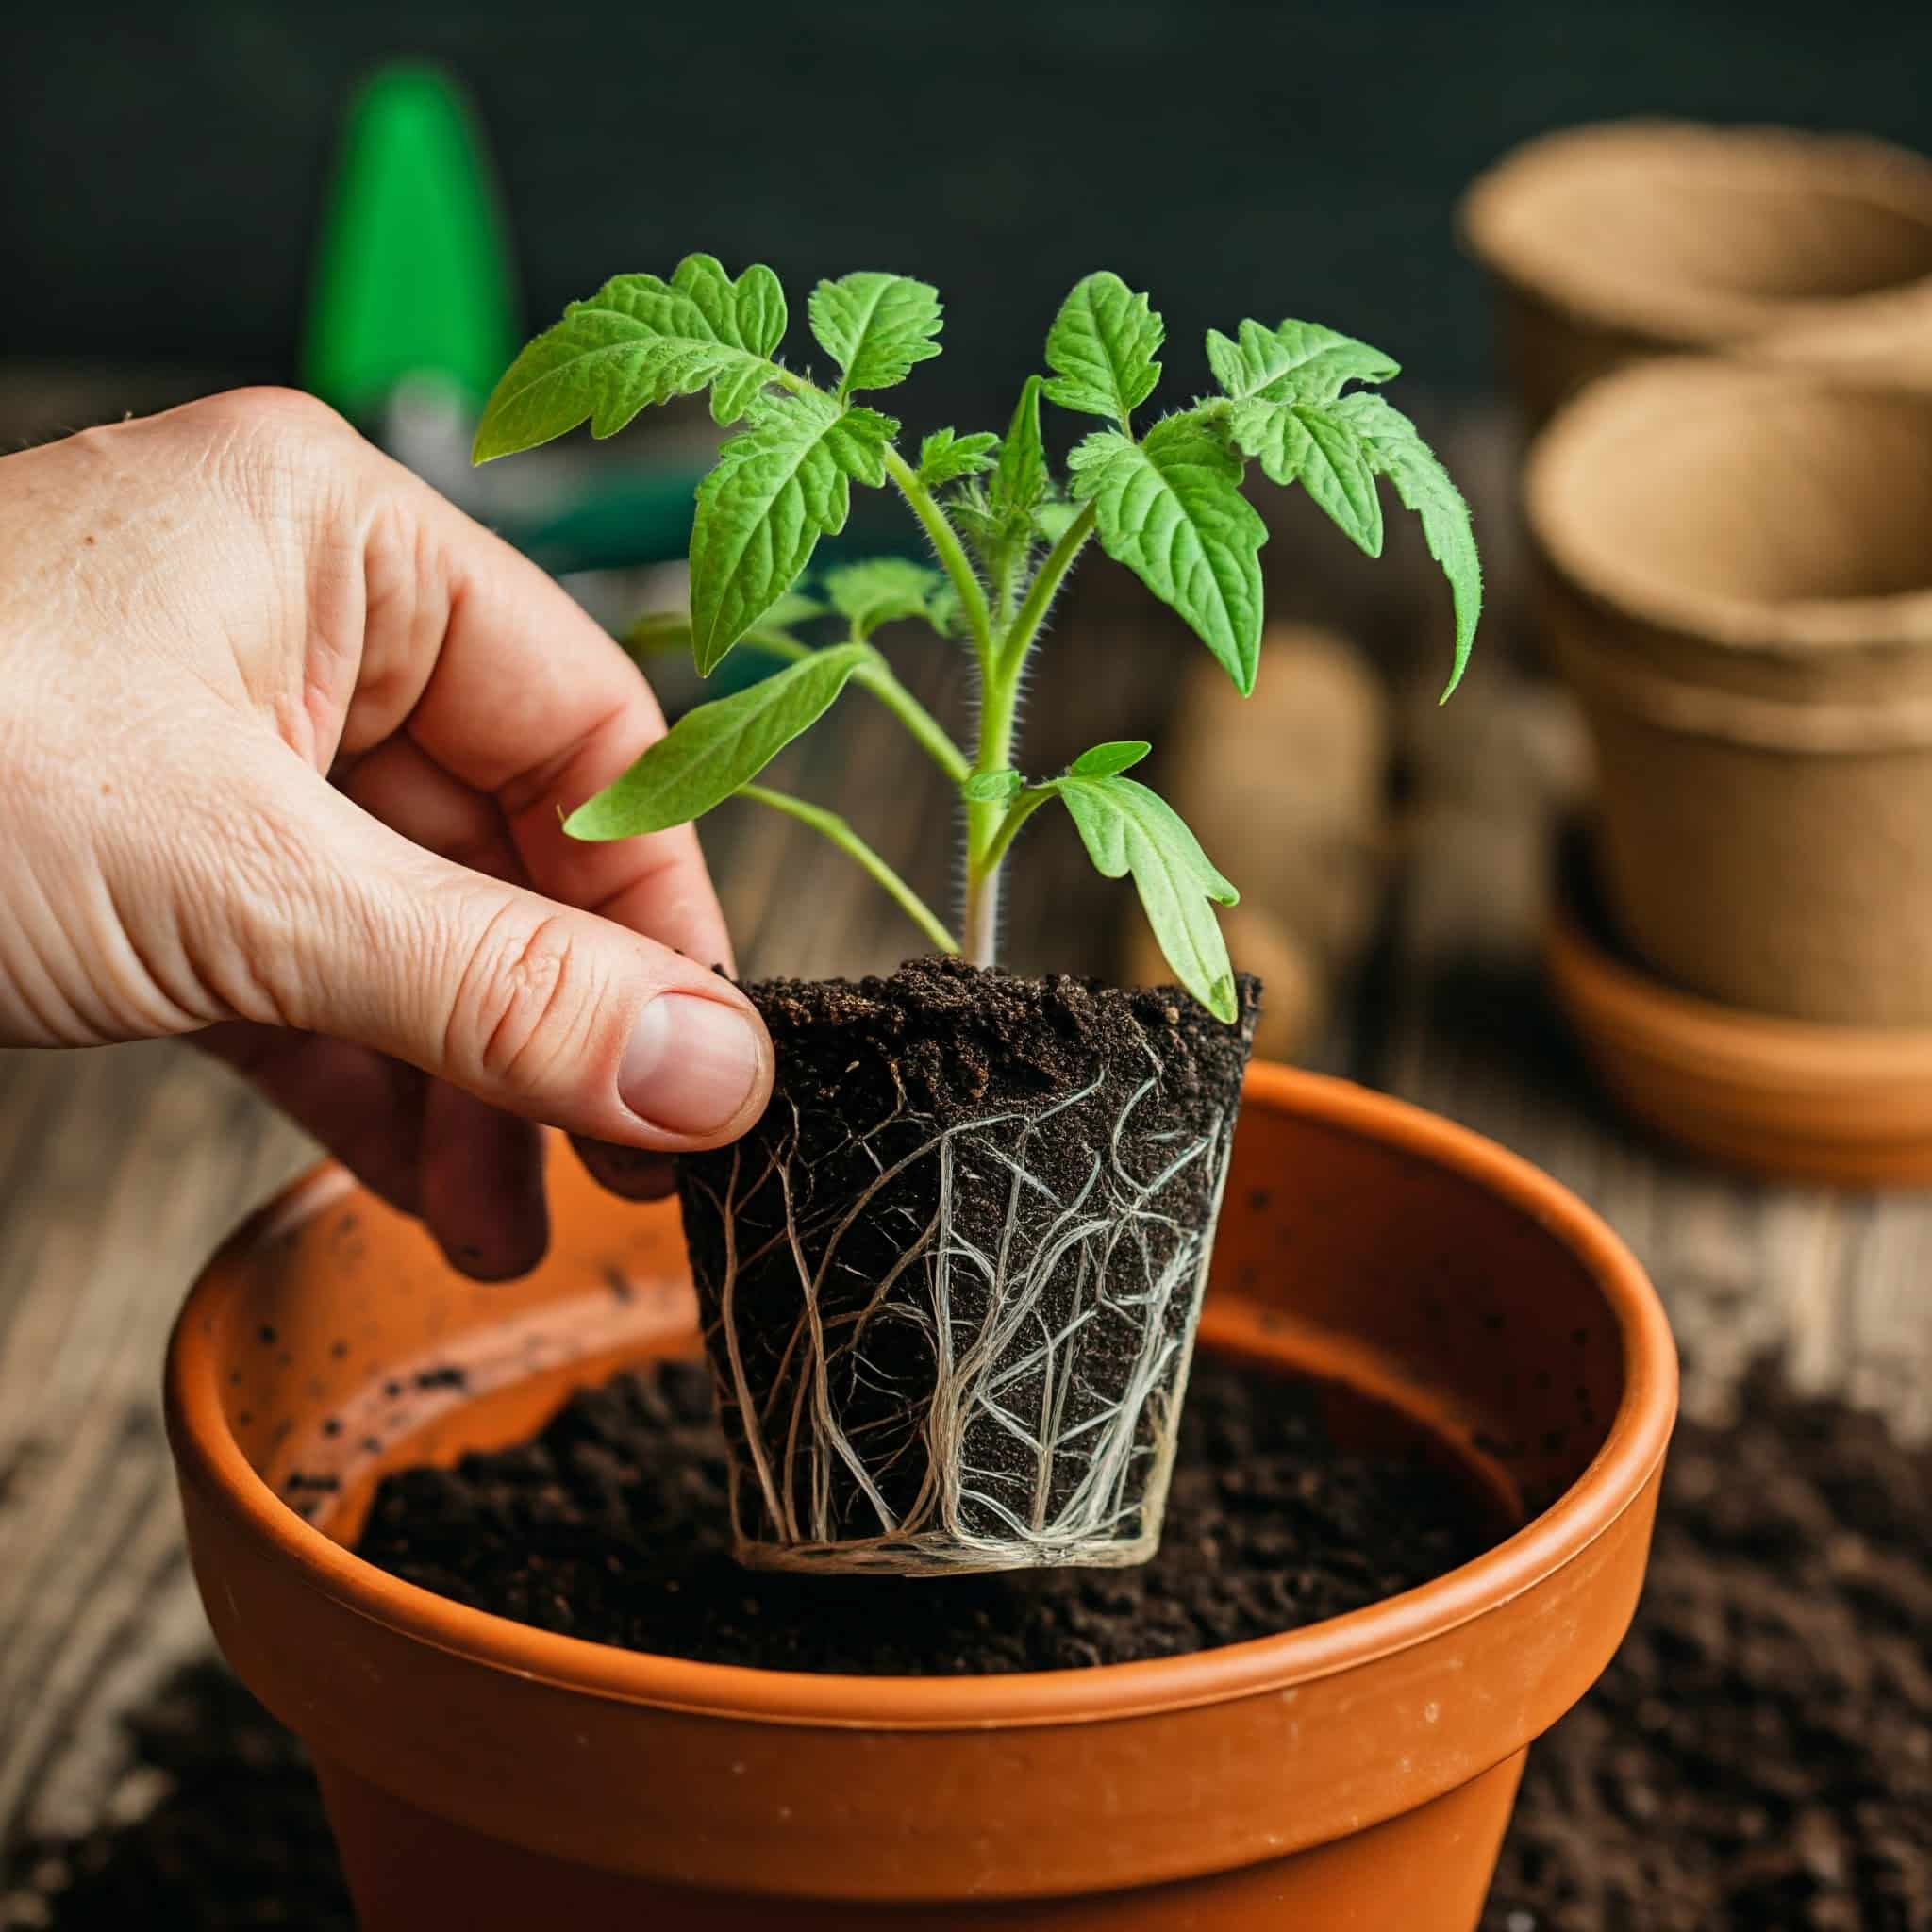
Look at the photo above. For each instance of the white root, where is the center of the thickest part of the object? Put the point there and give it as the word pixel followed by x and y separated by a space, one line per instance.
pixel 1025 1410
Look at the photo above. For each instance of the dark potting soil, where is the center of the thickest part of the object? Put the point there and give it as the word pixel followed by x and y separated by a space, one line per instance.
pixel 1039 1158
pixel 1759 1753
pixel 215 1826
pixel 611 1525
pixel 1757 1758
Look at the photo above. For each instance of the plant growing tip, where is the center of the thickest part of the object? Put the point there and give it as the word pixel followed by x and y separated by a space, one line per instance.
pixel 1003 532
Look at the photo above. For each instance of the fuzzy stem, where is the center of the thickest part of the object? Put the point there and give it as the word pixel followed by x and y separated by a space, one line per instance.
pixel 998 707
pixel 951 554
pixel 830 825
pixel 982 913
pixel 990 831
pixel 1022 808
pixel 1039 593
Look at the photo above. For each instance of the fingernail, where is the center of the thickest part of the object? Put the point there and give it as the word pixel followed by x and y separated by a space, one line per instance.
pixel 691 1064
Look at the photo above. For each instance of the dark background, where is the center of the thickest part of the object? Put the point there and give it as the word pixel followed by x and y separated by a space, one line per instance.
pixel 161 167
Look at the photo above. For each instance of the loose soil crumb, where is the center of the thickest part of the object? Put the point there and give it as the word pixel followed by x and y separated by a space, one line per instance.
pixel 215 1826
pixel 611 1525
pixel 1758 1757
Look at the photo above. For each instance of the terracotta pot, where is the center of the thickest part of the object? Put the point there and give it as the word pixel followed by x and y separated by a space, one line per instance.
pixel 1737 580
pixel 1359 1773
pixel 1636 238
pixel 1851 1106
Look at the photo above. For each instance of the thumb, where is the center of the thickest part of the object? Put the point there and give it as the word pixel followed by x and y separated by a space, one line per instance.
pixel 536 1007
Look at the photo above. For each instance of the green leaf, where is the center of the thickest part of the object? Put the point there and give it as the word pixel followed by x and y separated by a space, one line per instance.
pixel 946 613
pixel 1019 481
pixel 658 632
pixel 1104 760
pixel 777 489
pixel 1000 536
pixel 1426 487
pixel 749 312
pixel 876 326
pixel 943 456
pixel 1051 519
pixel 1170 508
pixel 1297 362
pixel 712 751
pixel 639 340
pixel 1101 349
pixel 1127 828
pixel 1315 448
pixel 992 788
pixel 882 591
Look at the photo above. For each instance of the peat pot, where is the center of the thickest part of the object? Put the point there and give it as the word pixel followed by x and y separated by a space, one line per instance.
pixel 1359 1772
pixel 1735 579
pixel 1846 1105
pixel 1634 238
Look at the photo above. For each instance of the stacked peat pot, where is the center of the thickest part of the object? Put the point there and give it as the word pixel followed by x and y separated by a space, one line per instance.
pixel 1737 581
pixel 1628 240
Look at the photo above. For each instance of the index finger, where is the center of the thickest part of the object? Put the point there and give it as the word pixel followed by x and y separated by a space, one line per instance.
pixel 511 688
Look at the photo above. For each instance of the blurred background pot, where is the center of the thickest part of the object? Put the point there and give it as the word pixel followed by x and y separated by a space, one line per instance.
pixel 1632 238
pixel 1787 1099
pixel 1737 581
pixel 1359 1772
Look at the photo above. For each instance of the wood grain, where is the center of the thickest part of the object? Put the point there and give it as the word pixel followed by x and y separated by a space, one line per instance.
pixel 120 1170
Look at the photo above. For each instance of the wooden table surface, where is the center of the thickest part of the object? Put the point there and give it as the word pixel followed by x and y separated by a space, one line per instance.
pixel 120 1170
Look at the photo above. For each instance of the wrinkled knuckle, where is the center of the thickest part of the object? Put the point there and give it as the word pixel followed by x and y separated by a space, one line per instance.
pixel 522 1002
pixel 266 409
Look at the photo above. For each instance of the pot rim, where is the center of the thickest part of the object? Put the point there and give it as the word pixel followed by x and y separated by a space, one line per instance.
pixel 1568 448
pixel 1495 218
pixel 1638 1433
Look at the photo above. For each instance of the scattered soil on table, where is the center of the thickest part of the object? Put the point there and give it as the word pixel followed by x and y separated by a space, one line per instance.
pixel 611 1525
pixel 215 1826
pixel 1759 1754
pixel 1759 1757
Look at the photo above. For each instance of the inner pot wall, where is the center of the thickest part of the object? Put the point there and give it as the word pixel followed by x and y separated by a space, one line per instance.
pixel 1361 1239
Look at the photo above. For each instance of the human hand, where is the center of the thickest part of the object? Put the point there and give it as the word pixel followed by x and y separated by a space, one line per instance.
pixel 283 745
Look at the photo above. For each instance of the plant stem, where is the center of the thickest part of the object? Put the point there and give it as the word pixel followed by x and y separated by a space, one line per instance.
pixel 1039 593
pixel 951 554
pixel 1022 808
pixel 998 704
pixel 990 831
pixel 830 825
pixel 880 679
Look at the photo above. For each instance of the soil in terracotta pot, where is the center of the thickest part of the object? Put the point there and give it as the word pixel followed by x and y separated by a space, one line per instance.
pixel 1758 1756
pixel 611 1525
pixel 976 1215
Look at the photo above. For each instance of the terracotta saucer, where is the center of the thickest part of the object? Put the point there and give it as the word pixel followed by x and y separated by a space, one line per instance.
pixel 1846 1105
